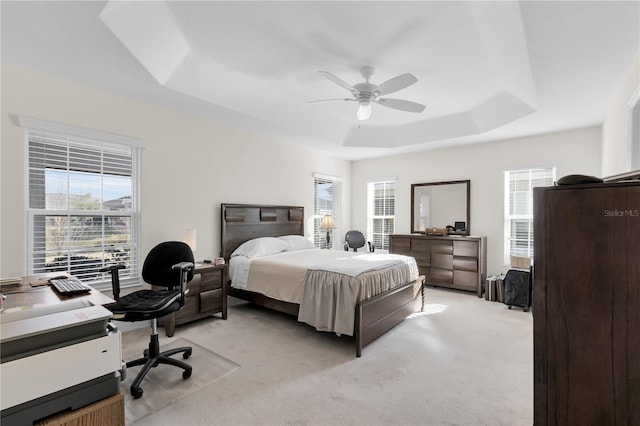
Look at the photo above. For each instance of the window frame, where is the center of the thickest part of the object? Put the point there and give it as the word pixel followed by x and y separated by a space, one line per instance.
pixel 528 217
pixel 319 235
pixel 70 139
pixel 371 216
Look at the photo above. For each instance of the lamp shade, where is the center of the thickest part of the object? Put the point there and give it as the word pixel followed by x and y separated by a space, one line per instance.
pixel 189 237
pixel 327 222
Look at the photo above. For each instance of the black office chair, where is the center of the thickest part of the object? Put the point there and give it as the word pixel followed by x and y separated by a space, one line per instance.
pixel 355 240
pixel 169 264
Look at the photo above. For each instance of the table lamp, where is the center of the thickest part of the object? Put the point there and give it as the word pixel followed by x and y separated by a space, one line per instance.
pixel 328 224
pixel 189 237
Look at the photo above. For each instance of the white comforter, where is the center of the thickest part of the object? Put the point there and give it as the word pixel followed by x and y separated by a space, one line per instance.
pixel 326 284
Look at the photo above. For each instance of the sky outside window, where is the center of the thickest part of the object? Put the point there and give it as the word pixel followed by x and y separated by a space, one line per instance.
pixel 82 183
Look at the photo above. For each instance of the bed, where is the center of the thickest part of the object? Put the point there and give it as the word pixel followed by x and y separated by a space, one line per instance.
pixel 370 313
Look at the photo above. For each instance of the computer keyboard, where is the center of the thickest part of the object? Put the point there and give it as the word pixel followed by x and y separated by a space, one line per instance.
pixel 69 286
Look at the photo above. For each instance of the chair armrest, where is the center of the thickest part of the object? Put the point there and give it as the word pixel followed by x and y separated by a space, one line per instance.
pixel 184 268
pixel 112 268
pixel 115 278
pixel 183 265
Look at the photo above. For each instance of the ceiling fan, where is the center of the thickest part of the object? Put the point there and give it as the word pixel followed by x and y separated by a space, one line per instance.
pixel 366 93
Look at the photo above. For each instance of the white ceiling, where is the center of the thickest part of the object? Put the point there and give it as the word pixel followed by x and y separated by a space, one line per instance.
pixel 486 70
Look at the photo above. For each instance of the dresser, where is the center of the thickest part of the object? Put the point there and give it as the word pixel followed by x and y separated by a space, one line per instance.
pixel 206 297
pixel 458 262
pixel 586 304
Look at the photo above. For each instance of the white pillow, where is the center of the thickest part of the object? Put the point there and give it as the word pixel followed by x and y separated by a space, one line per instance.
pixel 297 242
pixel 263 246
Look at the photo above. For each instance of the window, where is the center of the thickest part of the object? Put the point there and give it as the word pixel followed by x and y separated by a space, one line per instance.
pixel 518 210
pixel 82 202
pixel 381 211
pixel 327 191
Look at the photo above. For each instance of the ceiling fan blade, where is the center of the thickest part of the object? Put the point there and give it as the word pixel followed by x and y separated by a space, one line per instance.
pixel 339 81
pixel 401 104
pixel 326 100
pixel 396 83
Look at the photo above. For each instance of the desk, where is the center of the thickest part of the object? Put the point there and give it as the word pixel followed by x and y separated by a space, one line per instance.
pixel 106 412
pixel 51 401
pixel 27 295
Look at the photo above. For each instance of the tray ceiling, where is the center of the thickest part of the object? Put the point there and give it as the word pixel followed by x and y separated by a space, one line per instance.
pixel 486 70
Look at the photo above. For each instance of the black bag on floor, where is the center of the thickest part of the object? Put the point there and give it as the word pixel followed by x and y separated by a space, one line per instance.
pixel 517 289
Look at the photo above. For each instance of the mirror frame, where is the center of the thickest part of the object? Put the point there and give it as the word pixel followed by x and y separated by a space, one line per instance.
pixel 452 182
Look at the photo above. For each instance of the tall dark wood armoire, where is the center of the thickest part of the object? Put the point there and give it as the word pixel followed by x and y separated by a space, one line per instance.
pixel 586 304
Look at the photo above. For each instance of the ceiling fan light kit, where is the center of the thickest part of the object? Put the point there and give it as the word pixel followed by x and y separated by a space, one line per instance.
pixel 364 111
pixel 366 93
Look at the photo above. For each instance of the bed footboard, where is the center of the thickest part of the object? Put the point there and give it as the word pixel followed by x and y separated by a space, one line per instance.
pixel 373 317
pixel 377 315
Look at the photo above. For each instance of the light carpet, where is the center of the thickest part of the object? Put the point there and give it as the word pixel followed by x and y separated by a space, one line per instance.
pixel 464 361
pixel 164 385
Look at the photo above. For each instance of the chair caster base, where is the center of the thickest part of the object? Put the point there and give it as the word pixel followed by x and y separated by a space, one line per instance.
pixel 136 392
pixel 186 374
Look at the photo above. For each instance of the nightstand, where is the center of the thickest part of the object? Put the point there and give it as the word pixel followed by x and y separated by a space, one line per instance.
pixel 207 296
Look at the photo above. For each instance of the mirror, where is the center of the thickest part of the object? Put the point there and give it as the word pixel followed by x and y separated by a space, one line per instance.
pixel 440 204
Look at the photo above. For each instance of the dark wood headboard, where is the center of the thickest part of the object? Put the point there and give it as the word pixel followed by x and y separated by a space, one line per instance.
pixel 244 222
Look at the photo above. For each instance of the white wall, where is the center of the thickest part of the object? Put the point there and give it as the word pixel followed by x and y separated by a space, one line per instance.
pixel 615 130
pixel 572 152
pixel 190 166
pixel 207 163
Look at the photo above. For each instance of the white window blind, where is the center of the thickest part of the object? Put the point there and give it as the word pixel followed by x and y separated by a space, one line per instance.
pixel 381 200
pixel 83 210
pixel 518 224
pixel 327 191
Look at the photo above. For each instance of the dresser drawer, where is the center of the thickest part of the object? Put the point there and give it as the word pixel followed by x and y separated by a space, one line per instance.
pixel 444 261
pixel 465 263
pixel 423 270
pixel 191 307
pixel 465 279
pixel 422 261
pixel 211 280
pixel 440 276
pixel 194 285
pixel 211 301
pixel 465 248
pixel 400 246
pixel 403 251
pixel 441 246
pixel 400 243
pixel 419 244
